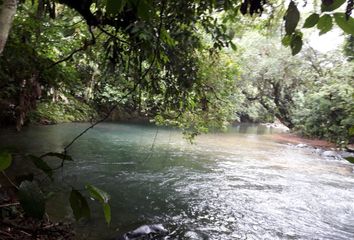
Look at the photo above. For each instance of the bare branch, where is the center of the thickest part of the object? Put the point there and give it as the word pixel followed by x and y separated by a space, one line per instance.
pixel 100 120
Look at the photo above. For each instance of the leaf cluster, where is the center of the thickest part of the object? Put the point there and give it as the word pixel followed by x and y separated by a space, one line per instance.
pixel 32 199
pixel 323 21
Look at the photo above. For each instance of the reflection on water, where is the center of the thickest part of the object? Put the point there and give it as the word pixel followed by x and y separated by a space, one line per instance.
pixel 235 185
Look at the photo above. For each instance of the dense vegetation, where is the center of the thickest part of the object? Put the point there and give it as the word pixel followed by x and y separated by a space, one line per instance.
pixel 168 61
pixel 311 92
pixel 191 64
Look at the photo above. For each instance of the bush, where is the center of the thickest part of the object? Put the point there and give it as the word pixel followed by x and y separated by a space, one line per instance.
pixel 328 113
pixel 56 112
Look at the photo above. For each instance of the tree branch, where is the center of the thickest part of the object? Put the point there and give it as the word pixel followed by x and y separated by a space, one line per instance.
pixel 130 92
pixel 83 48
pixel 112 35
pixel 100 120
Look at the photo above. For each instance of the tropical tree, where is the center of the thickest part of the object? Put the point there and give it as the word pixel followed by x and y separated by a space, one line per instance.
pixel 326 110
pixel 271 76
pixel 145 47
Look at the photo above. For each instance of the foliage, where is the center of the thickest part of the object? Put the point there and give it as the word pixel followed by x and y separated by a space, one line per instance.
pixel 79 205
pixel 323 21
pixel 42 165
pixel 171 61
pixel 328 112
pixel 57 112
pixel 103 198
pixel 5 160
pixel 276 78
pixel 147 55
pixel 311 92
pixel 32 199
pixel 29 71
pixel 252 111
pixel 211 103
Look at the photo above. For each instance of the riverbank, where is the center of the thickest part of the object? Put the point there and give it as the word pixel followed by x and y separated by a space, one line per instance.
pixel 321 147
pixel 295 139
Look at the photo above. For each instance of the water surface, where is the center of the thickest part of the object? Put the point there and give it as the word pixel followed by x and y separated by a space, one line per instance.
pixel 235 185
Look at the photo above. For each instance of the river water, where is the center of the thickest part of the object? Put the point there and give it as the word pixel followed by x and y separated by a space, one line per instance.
pixel 235 185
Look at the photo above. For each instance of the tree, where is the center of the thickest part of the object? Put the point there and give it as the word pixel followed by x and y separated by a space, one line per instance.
pixel 276 78
pixel 153 47
pixel 326 109
pixel 7 13
pixel 121 14
pixel 311 93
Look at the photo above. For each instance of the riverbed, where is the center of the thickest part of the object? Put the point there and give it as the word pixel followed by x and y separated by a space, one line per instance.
pixel 241 184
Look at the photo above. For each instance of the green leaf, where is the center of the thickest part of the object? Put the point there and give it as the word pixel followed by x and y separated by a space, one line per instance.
pixel 62 156
pixel 114 7
pixel 286 40
pixel 311 20
pixel 296 44
pixel 31 199
pixel 166 37
pixel 350 159
pixel 346 25
pixel 103 198
pixel 351 131
pixel 107 212
pixel 42 165
pixel 292 18
pixel 5 160
pixel 330 5
pixel 233 46
pixel 325 24
pixel 67 32
pixel 79 205
pixel 98 194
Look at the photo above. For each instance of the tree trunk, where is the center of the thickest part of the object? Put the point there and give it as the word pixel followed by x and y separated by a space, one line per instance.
pixel 7 13
pixel 30 92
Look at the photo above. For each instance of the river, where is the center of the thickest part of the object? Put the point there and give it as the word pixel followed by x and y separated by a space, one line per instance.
pixel 235 185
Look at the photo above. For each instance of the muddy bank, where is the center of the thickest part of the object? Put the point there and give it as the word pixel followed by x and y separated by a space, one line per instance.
pixel 296 139
pixel 324 148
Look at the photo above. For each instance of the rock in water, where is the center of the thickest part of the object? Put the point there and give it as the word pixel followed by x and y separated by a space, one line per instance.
pixel 145 230
pixel 332 154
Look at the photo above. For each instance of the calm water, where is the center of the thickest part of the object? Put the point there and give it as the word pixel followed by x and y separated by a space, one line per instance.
pixel 235 185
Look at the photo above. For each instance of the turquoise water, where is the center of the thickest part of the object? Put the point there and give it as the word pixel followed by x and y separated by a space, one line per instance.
pixel 235 185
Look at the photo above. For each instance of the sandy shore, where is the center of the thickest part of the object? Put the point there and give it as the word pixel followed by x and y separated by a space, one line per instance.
pixel 296 139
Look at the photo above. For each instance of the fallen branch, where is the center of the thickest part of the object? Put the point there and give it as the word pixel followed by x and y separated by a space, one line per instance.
pixel 9 204
pixel 8 179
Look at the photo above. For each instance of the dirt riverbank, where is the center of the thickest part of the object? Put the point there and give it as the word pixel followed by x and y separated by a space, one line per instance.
pixel 296 139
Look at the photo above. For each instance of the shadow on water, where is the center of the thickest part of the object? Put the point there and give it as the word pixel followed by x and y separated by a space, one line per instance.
pixel 234 185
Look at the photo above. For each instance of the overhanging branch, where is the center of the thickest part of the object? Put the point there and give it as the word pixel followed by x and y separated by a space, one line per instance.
pixel 82 48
